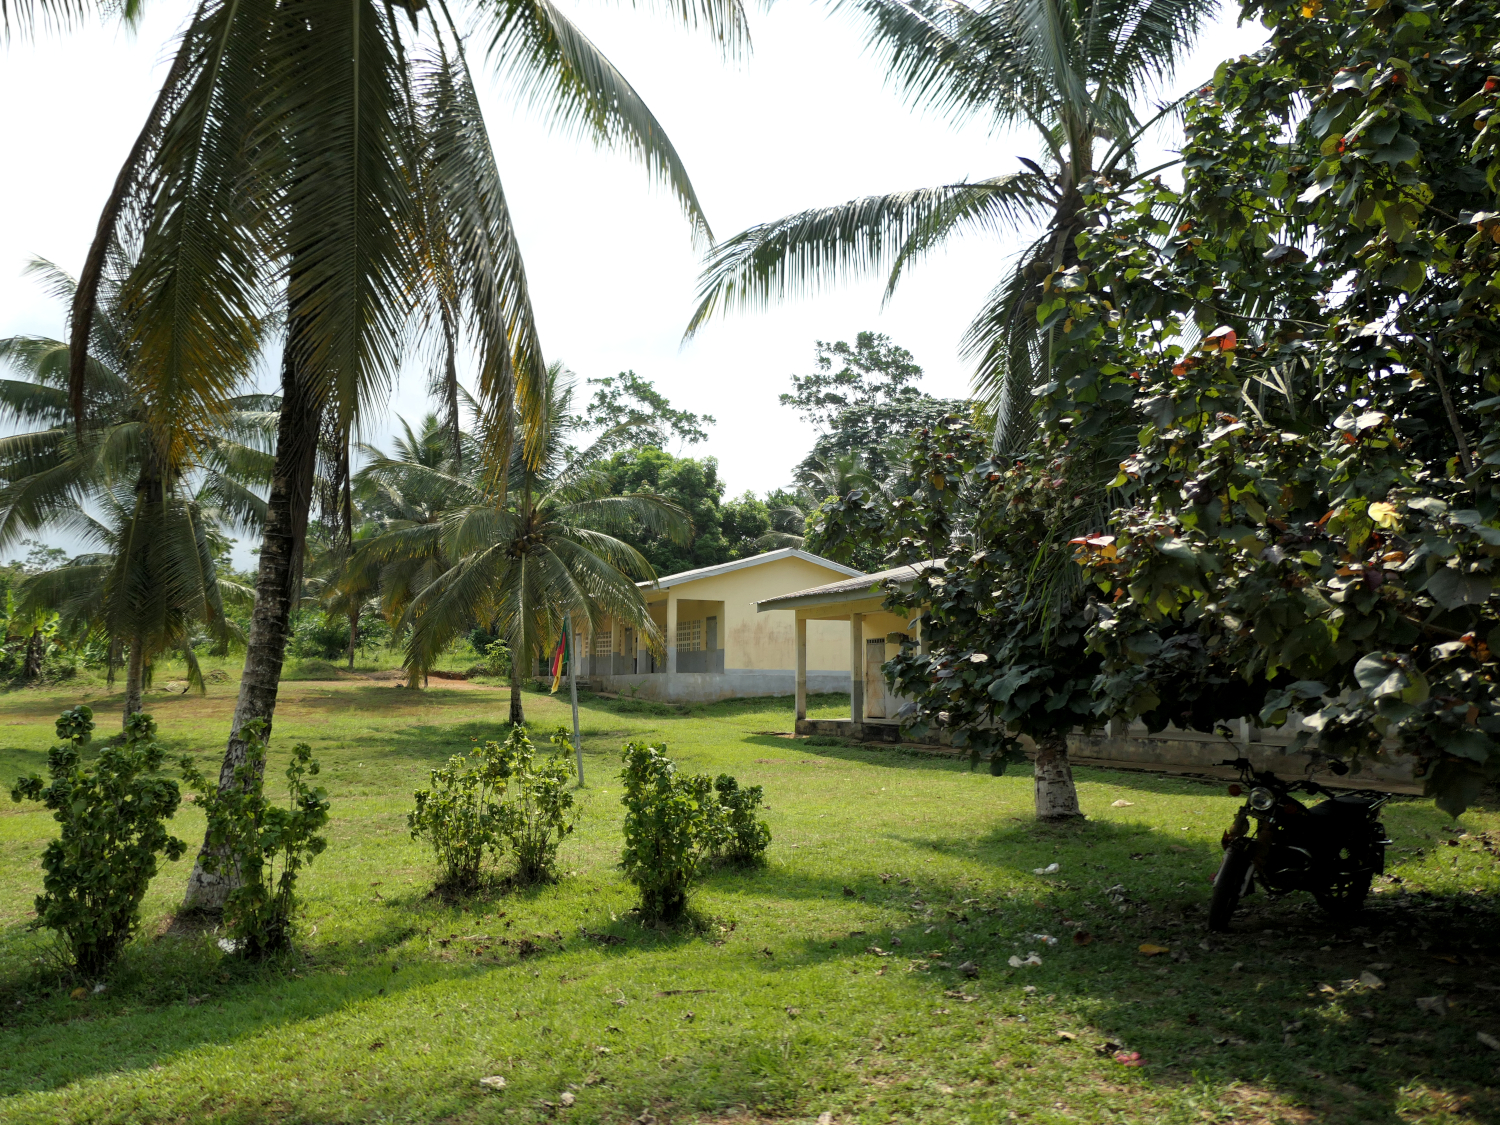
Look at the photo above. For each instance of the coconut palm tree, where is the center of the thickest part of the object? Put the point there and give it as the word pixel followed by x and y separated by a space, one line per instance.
pixel 523 560
pixel 152 509
pixel 1073 71
pixel 326 165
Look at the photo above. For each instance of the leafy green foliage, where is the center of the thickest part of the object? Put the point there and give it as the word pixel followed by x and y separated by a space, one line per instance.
pixel 1302 346
pixel 497 794
pixel 460 816
pixel 260 846
pixel 874 372
pixel 535 819
pixel 745 837
pixel 113 814
pixel 639 414
pixel 672 823
pixel 722 530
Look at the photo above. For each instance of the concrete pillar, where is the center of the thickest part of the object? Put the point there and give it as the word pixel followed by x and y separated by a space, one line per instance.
pixel 616 643
pixel 801 669
pixel 857 668
pixel 671 668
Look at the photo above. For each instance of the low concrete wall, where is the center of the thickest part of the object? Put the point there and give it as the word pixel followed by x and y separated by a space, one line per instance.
pixel 1171 750
pixel 708 687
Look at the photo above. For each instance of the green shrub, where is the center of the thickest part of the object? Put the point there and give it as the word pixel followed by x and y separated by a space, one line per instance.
pixel 535 818
pixel 496 660
pixel 743 838
pixel 460 815
pixel 113 814
pixel 258 846
pixel 496 794
pixel 672 821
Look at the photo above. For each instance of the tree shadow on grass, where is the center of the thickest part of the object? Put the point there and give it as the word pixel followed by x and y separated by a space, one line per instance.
pixel 1277 1004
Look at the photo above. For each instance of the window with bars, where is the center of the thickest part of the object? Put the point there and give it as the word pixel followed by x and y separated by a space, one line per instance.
pixel 603 644
pixel 690 636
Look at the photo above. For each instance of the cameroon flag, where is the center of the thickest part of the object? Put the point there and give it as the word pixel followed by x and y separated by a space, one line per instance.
pixel 560 657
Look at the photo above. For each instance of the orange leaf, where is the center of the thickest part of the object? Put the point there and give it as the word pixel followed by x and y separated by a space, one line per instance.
pixel 1153 950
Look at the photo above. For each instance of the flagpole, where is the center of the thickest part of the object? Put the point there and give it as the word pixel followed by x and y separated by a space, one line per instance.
pixel 573 689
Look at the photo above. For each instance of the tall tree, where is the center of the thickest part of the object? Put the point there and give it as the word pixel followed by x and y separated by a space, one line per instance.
pixel 328 163
pixel 149 497
pixel 640 414
pixel 1073 71
pixel 528 559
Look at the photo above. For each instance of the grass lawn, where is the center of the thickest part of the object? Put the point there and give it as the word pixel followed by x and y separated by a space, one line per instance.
pixel 828 983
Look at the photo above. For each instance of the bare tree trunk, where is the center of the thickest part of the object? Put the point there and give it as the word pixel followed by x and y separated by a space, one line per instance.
pixel 35 647
pixel 517 715
pixel 1056 795
pixel 275 584
pixel 135 678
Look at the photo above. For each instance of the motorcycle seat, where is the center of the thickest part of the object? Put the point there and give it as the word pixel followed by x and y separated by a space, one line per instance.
pixel 1345 804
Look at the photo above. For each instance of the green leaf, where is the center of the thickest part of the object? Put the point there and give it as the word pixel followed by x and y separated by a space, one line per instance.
pixel 1451 589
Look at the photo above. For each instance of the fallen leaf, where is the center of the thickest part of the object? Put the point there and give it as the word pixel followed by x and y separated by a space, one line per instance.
pixel 1050 869
pixel 566 1099
pixel 1082 937
pixel 1370 980
pixel 79 993
pixel 794 1012
pixel 1153 950
pixel 1436 1005
pixel 1488 1040
pixel 1122 803
pixel 944 1089
pixel 969 969
pixel 1031 959
pixel 1066 1036
pixel 825 1118
pixel 1128 1058
pixel 494 1082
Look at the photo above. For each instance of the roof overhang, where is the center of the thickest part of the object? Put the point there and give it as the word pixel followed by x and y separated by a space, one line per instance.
pixel 839 599
pixel 741 564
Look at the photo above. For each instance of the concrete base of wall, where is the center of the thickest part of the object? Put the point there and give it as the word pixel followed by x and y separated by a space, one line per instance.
pixel 708 687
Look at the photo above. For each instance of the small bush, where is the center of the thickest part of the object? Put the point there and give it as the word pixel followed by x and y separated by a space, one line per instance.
pixel 496 794
pixel 113 815
pixel 535 819
pixel 496 660
pixel 460 816
pixel 672 821
pixel 258 846
pixel 744 838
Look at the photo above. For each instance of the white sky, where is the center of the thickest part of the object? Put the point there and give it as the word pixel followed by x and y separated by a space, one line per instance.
pixel 805 121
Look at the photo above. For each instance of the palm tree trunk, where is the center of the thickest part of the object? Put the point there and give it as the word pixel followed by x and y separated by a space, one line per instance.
pixel 1056 795
pixel 353 637
pixel 275 584
pixel 517 715
pixel 135 677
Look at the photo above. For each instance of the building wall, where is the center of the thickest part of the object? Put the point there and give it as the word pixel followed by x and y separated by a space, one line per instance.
pixel 765 641
pixel 705 687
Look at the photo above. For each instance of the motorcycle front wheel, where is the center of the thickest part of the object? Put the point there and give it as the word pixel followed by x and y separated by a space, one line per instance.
pixel 1229 884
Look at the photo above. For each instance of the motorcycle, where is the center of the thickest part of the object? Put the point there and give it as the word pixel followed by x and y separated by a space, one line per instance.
pixel 1333 849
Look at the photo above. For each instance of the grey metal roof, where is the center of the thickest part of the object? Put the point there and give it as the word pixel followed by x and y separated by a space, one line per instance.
pixel 849 589
pixel 740 564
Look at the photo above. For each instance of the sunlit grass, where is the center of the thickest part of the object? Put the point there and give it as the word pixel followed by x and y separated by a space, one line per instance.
pixel 830 981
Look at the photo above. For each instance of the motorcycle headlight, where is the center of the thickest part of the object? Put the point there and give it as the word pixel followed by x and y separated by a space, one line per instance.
pixel 1261 799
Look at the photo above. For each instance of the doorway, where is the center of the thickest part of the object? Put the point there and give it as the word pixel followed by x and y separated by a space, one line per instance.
pixel 875 707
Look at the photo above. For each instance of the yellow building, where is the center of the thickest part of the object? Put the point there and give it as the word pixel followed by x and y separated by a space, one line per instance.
pixel 855 607
pixel 718 646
